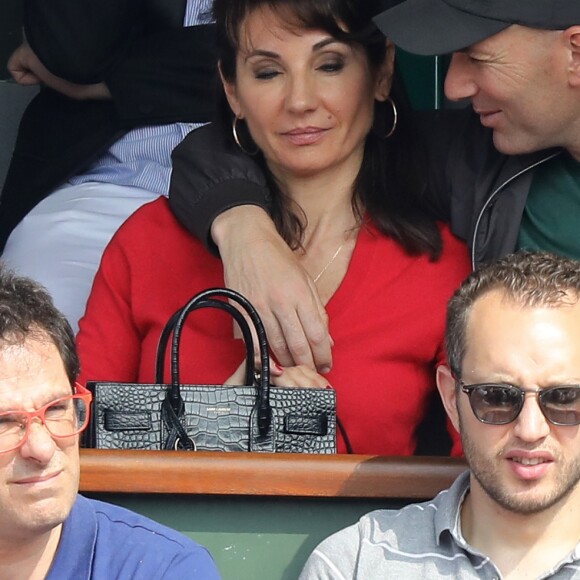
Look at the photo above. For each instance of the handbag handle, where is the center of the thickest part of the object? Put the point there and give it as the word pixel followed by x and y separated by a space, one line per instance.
pixel 207 298
pixel 222 305
pixel 173 407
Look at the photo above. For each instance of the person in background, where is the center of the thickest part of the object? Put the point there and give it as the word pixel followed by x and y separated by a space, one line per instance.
pixel 122 83
pixel 311 93
pixel 505 173
pixel 48 530
pixel 512 388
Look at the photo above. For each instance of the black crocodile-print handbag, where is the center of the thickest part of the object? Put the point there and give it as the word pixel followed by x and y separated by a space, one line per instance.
pixel 256 417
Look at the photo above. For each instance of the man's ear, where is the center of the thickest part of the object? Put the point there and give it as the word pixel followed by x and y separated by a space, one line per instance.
pixel 448 391
pixel 385 74
pixel 572 38
pixel 231 94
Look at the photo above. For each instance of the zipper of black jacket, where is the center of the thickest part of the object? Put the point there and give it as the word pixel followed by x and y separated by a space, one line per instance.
pixel 496 192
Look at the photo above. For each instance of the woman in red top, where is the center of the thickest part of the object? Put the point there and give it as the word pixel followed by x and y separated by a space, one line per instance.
pixel 312 95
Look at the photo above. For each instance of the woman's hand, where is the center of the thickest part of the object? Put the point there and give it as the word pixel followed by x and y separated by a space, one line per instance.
pixel 299 376
pixel 260 265
pixel 293 376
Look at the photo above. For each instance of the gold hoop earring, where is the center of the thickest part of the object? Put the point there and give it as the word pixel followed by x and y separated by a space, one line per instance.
pixel 381 120
pixel 237 139
pixel 395 117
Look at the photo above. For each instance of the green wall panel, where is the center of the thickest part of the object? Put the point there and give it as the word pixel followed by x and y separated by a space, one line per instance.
pixel 253 538
pixel 423 78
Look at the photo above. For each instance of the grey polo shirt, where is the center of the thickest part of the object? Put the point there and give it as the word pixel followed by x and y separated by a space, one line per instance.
pixel 422 541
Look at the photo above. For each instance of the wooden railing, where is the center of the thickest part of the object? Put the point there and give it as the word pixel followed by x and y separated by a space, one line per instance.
pixel 181 472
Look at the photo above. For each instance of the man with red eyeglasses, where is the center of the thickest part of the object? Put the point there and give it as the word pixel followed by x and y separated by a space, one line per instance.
pixel 512 389
pixel 47 530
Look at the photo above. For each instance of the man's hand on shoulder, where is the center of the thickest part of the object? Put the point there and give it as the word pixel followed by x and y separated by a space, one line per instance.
pixel 261 266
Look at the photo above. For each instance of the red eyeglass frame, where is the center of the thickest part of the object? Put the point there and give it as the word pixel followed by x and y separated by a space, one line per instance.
pixel 80 393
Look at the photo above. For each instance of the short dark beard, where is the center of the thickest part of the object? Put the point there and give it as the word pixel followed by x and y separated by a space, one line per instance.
pixel 484 473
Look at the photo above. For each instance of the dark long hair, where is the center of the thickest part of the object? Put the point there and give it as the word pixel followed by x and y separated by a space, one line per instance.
pixel 392 177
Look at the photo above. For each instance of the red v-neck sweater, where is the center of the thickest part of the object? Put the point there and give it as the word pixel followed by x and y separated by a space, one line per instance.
pixel 387 320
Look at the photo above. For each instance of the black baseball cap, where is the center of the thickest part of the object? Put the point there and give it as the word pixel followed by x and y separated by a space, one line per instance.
pixel 432 27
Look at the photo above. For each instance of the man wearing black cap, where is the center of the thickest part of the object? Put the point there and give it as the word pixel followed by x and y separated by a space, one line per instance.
pixel 519 64
pixel 446 26
pixel 507 174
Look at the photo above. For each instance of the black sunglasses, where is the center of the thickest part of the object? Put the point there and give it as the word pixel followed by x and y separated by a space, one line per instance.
pixel 499 404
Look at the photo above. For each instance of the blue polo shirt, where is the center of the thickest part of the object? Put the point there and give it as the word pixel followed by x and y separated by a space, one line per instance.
pixel 104 541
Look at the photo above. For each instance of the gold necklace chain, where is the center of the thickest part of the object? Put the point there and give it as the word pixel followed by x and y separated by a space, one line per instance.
pixel 335 255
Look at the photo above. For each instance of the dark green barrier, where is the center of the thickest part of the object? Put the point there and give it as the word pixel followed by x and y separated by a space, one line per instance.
pixel 253 538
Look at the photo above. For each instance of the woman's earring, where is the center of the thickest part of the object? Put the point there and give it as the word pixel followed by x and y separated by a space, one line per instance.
pixel 237 139
pixel 395 117
pixel 380 119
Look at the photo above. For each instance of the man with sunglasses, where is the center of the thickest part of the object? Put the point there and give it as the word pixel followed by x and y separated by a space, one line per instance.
pixel 512 389
pixel 47 530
